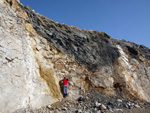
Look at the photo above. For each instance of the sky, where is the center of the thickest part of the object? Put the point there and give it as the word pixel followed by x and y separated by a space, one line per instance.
pixel 121 19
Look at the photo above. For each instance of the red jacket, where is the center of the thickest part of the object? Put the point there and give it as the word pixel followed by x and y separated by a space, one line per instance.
pixel 64 81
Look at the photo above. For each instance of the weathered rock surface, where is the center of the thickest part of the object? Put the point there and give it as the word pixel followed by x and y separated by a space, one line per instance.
pixel 36 53
pixel 110 63
pixel 21 85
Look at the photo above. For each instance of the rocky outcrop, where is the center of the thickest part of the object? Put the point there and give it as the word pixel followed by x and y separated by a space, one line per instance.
pixel 36 53
pixel 21 85
pixel 111 63
pixel 91 48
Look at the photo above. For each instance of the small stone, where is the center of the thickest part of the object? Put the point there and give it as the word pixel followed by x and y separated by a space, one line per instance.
pixel 49 106
pixel 79 105
pixel 70 83
pixel 79 111
pixel 137 106
pixel 59 109
pixel 94 111
pixel 38 47
pixel 108 107
pixel 97 104
pixel 119 100
pixel 132 104
pixel 129 107
pixel 110 103
pixel 64 108
pixel 56 111
pixel 102 107
pixel 80 99
pixel 110 110
pixel 126 106
pixel 86 97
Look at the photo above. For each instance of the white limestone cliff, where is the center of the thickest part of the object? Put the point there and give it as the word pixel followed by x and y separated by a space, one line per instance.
pixel 21 85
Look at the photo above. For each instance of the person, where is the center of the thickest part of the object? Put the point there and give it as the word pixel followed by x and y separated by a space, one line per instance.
pixel 65 86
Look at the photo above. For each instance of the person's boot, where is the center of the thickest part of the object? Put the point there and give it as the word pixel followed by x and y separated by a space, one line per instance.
pixel 65 95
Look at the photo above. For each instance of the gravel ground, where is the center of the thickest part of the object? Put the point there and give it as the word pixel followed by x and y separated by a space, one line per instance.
pixel 93 102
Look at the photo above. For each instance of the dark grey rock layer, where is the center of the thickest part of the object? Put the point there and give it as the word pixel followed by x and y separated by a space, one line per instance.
pixel 91 48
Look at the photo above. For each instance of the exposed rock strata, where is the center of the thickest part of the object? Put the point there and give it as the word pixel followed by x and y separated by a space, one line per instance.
pixel 109 61
pixel 36 53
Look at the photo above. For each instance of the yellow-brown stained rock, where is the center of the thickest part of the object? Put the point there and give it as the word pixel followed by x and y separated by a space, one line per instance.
pixel 30 29
pixel 60 66
pixel 44 54
pixel 46 74
pixel 15 5
pixel 33 44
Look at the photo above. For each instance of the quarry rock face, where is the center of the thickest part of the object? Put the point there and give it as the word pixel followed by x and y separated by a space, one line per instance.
pixel 36 53
pixel 21 85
